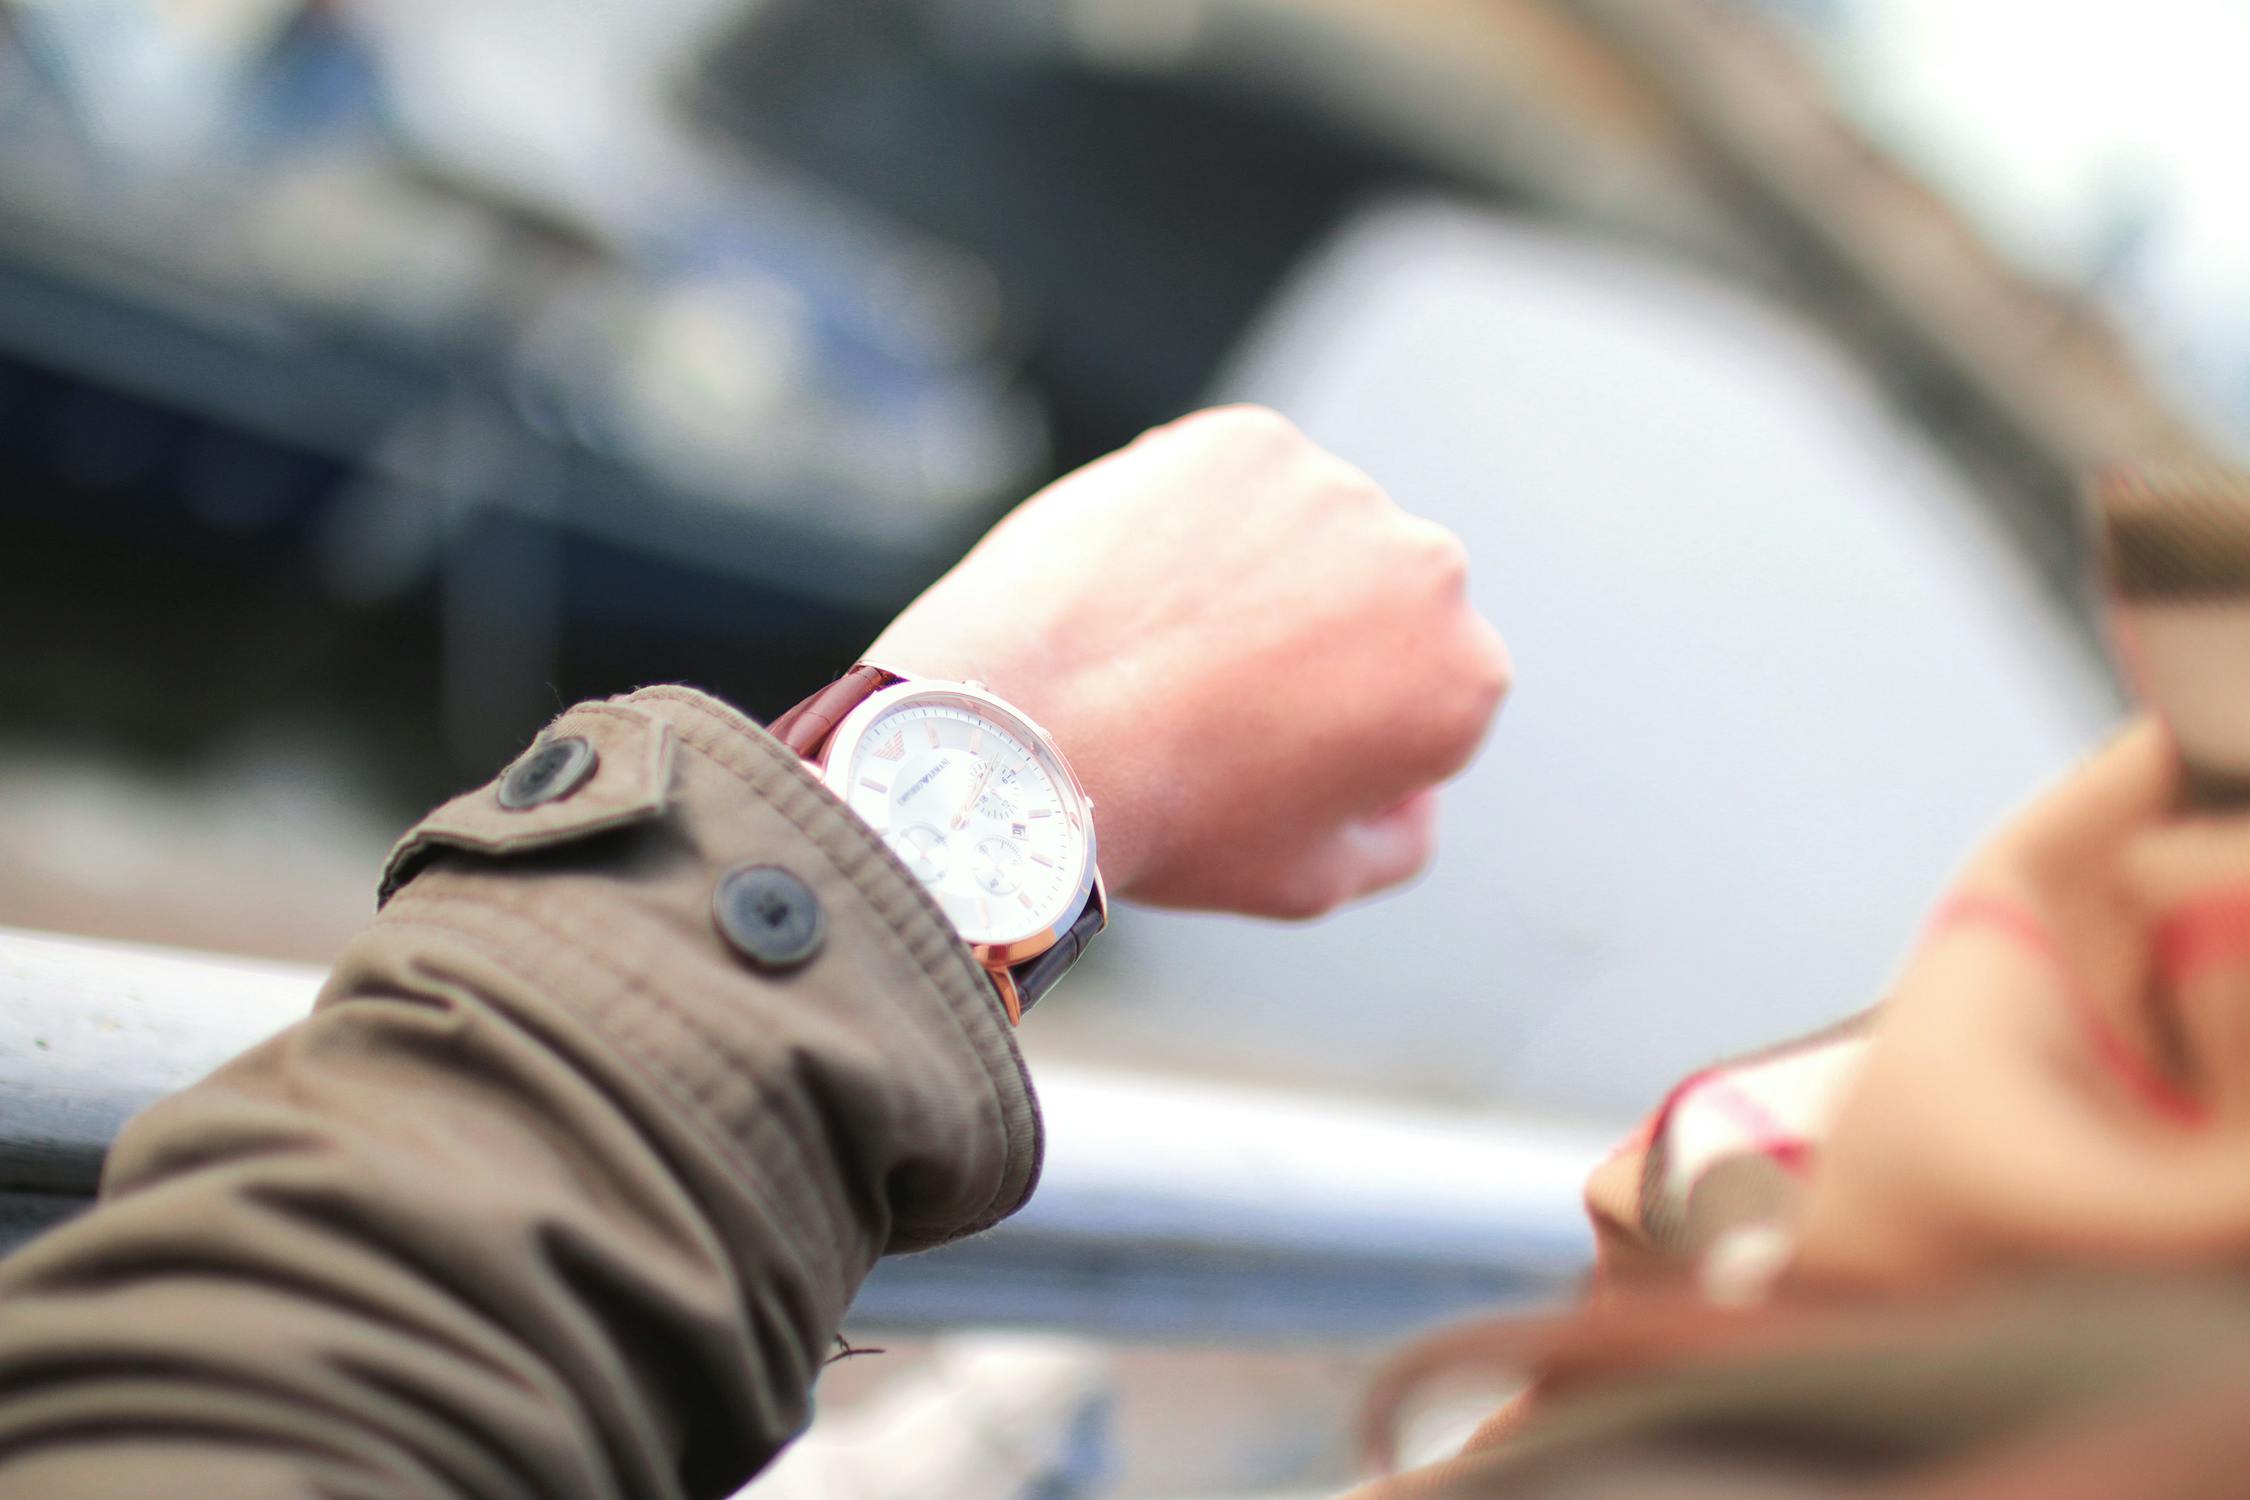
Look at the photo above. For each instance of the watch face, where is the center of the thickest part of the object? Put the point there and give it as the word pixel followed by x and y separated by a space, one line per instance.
pixel 975 805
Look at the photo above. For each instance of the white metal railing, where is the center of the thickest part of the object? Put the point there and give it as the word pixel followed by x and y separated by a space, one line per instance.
pixel 1168 1208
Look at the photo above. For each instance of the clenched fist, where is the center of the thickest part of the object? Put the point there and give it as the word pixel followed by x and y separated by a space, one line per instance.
pixel 1259 665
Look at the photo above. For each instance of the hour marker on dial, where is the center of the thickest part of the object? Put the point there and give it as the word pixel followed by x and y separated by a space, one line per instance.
pixel 1041 859
pixel 873 785
pixel 931 726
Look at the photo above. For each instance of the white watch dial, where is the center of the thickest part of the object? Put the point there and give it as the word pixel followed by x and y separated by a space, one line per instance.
pixel 976 809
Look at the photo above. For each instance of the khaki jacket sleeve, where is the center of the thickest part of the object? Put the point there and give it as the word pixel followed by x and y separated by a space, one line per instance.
pixel 558 1192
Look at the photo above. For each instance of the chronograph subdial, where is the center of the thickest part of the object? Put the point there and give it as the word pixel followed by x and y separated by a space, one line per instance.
pixel 927 852
pixel 995 864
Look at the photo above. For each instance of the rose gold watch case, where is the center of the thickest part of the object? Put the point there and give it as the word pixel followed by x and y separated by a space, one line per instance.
pixel 835 762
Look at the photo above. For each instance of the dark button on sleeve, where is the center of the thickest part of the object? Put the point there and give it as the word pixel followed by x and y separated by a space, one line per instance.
pixel 599 767
pixel 768 916
pixel 552 771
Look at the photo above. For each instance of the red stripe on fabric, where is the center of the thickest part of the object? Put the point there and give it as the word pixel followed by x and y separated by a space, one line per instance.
pixel 2114 1052
pixel 1660 1120
pixel 1768 1136
pixel 2209 930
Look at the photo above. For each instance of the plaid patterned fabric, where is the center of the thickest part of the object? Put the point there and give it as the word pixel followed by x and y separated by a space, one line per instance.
pixel 1710 1182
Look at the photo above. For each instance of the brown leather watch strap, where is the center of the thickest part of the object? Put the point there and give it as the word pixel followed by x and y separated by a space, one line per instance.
pixel 806 728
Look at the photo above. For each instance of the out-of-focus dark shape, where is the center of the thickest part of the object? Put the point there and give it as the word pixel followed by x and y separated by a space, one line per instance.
pixel 339 363
pixel 1691 125
pixel 2175 543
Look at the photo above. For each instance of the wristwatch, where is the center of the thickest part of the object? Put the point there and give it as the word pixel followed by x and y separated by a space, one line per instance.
pixel 976 801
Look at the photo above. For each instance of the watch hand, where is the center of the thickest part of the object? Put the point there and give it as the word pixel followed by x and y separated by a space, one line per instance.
pixel 961 818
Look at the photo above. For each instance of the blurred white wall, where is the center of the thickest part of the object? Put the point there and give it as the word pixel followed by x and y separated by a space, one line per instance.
pixel 1776 674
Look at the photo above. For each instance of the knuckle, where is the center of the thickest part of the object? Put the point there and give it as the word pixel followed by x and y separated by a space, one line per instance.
pixel 1445 556
pixel 1313 890
pixel 1456 747
pixel 1351 489
pixel 1493 671
pixel 1405 871
pixel 1476 688
pixel 1348 506
pixel 1241 425
pixel 1254 420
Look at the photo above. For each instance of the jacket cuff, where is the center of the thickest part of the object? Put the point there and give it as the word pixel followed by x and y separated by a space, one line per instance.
pixel 850 1057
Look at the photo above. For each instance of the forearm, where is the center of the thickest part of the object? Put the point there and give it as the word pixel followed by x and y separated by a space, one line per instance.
pixel 556 1193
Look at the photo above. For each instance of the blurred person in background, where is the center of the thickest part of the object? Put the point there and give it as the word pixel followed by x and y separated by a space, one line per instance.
pixel 1987 1239
pixel 1984 1242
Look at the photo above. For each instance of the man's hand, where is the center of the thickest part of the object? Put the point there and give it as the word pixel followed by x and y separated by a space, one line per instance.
pixel 1259 665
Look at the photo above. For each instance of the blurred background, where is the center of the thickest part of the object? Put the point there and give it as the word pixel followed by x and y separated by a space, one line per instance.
pixel 377 376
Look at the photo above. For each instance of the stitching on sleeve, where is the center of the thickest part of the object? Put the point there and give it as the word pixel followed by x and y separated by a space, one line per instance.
pixel 763 1123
